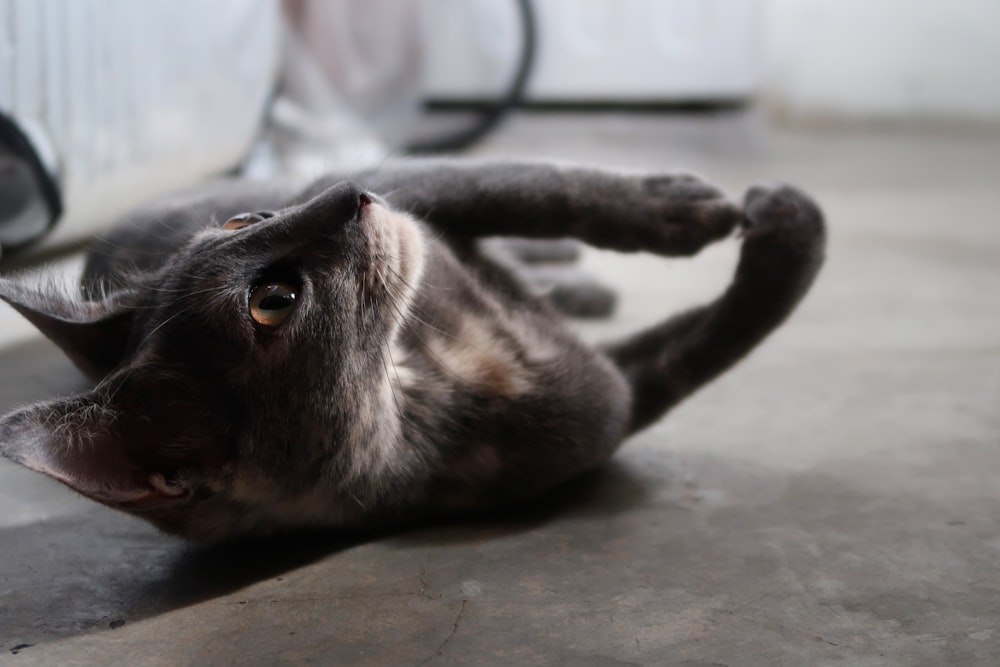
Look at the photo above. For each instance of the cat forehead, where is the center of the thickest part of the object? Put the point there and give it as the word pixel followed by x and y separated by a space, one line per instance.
pixel 214 253
pixel 201 297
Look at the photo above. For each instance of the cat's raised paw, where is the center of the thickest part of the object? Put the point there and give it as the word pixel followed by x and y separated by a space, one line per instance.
pixel 782 222
pixel 780 202
pixel 687 214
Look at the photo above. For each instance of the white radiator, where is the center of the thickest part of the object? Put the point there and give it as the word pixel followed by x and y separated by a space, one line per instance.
pixel 134 98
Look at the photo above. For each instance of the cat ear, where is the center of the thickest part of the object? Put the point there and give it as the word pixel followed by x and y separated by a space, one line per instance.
pixel 85 445
pixel 93 334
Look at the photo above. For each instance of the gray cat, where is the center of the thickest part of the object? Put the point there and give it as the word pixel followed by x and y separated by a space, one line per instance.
pixel 348 356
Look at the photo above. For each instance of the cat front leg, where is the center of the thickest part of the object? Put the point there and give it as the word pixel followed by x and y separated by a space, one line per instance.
pixel 782 252
pixel 667 214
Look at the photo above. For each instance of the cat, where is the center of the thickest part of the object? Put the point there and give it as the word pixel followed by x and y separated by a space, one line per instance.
pixel 349 356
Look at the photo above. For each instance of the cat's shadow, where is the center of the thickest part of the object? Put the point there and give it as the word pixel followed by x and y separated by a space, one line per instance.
pixel 98 570
pixel 202 573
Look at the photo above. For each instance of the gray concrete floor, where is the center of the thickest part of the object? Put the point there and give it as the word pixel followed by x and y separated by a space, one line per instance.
pixel 833 500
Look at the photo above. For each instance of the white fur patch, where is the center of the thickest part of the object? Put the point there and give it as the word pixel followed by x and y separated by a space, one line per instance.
pixel 397 255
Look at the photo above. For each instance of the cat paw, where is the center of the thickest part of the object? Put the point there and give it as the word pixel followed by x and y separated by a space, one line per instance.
pixel 778 200
pixel 573 292
pixel 781 206
pixel 543 251
pixel 784 223
pixel 673 215
pixel 689 213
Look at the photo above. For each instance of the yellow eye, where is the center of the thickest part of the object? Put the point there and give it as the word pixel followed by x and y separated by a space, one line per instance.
pixel 271 303
pixel 246 219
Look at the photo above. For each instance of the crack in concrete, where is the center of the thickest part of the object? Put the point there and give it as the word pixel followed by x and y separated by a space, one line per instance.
pixel 423 585
pixel 454 629
pixel 324 598
pixel 780 627
pixel 753 600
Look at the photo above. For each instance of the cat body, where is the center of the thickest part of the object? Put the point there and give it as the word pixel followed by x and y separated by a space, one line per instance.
pixel 351 355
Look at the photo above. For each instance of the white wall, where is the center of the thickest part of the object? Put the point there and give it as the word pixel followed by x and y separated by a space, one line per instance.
pixel 884 58
pixel 820 58
pixel 605 50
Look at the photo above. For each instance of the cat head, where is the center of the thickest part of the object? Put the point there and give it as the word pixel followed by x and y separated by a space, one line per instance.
pixel 240 387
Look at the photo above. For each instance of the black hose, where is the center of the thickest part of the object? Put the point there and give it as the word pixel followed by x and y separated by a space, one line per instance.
pixel 492 116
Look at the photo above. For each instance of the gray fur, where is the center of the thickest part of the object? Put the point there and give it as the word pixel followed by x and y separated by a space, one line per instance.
pixel 417 374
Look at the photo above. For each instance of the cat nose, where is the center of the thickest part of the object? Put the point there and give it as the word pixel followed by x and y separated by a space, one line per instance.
pixel 338 204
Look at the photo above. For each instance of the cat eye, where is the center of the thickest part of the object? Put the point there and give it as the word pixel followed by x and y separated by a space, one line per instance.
pixel 246 219
pixel 271 303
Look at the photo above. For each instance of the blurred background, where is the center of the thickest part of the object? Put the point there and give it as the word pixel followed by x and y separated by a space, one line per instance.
pixel 108 102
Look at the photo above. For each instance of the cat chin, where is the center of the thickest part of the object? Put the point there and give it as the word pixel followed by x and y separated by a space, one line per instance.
pixel 397 254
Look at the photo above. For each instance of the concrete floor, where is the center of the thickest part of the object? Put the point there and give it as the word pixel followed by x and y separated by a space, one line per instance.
pixel 835 500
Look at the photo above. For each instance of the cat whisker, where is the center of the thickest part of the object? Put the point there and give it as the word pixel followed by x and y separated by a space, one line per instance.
pixel 392 389
pixel 364 280
pixel 413 316
pixel 399 382
pixel 443 366
pixel 98 252
pixel 355 498
pixel 163 324
pixel 412 312
pixel 387 195
pixel 389 154
pixel 413 287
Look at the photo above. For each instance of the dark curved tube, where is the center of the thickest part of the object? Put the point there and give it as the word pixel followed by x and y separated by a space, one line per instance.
pixel 494 114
